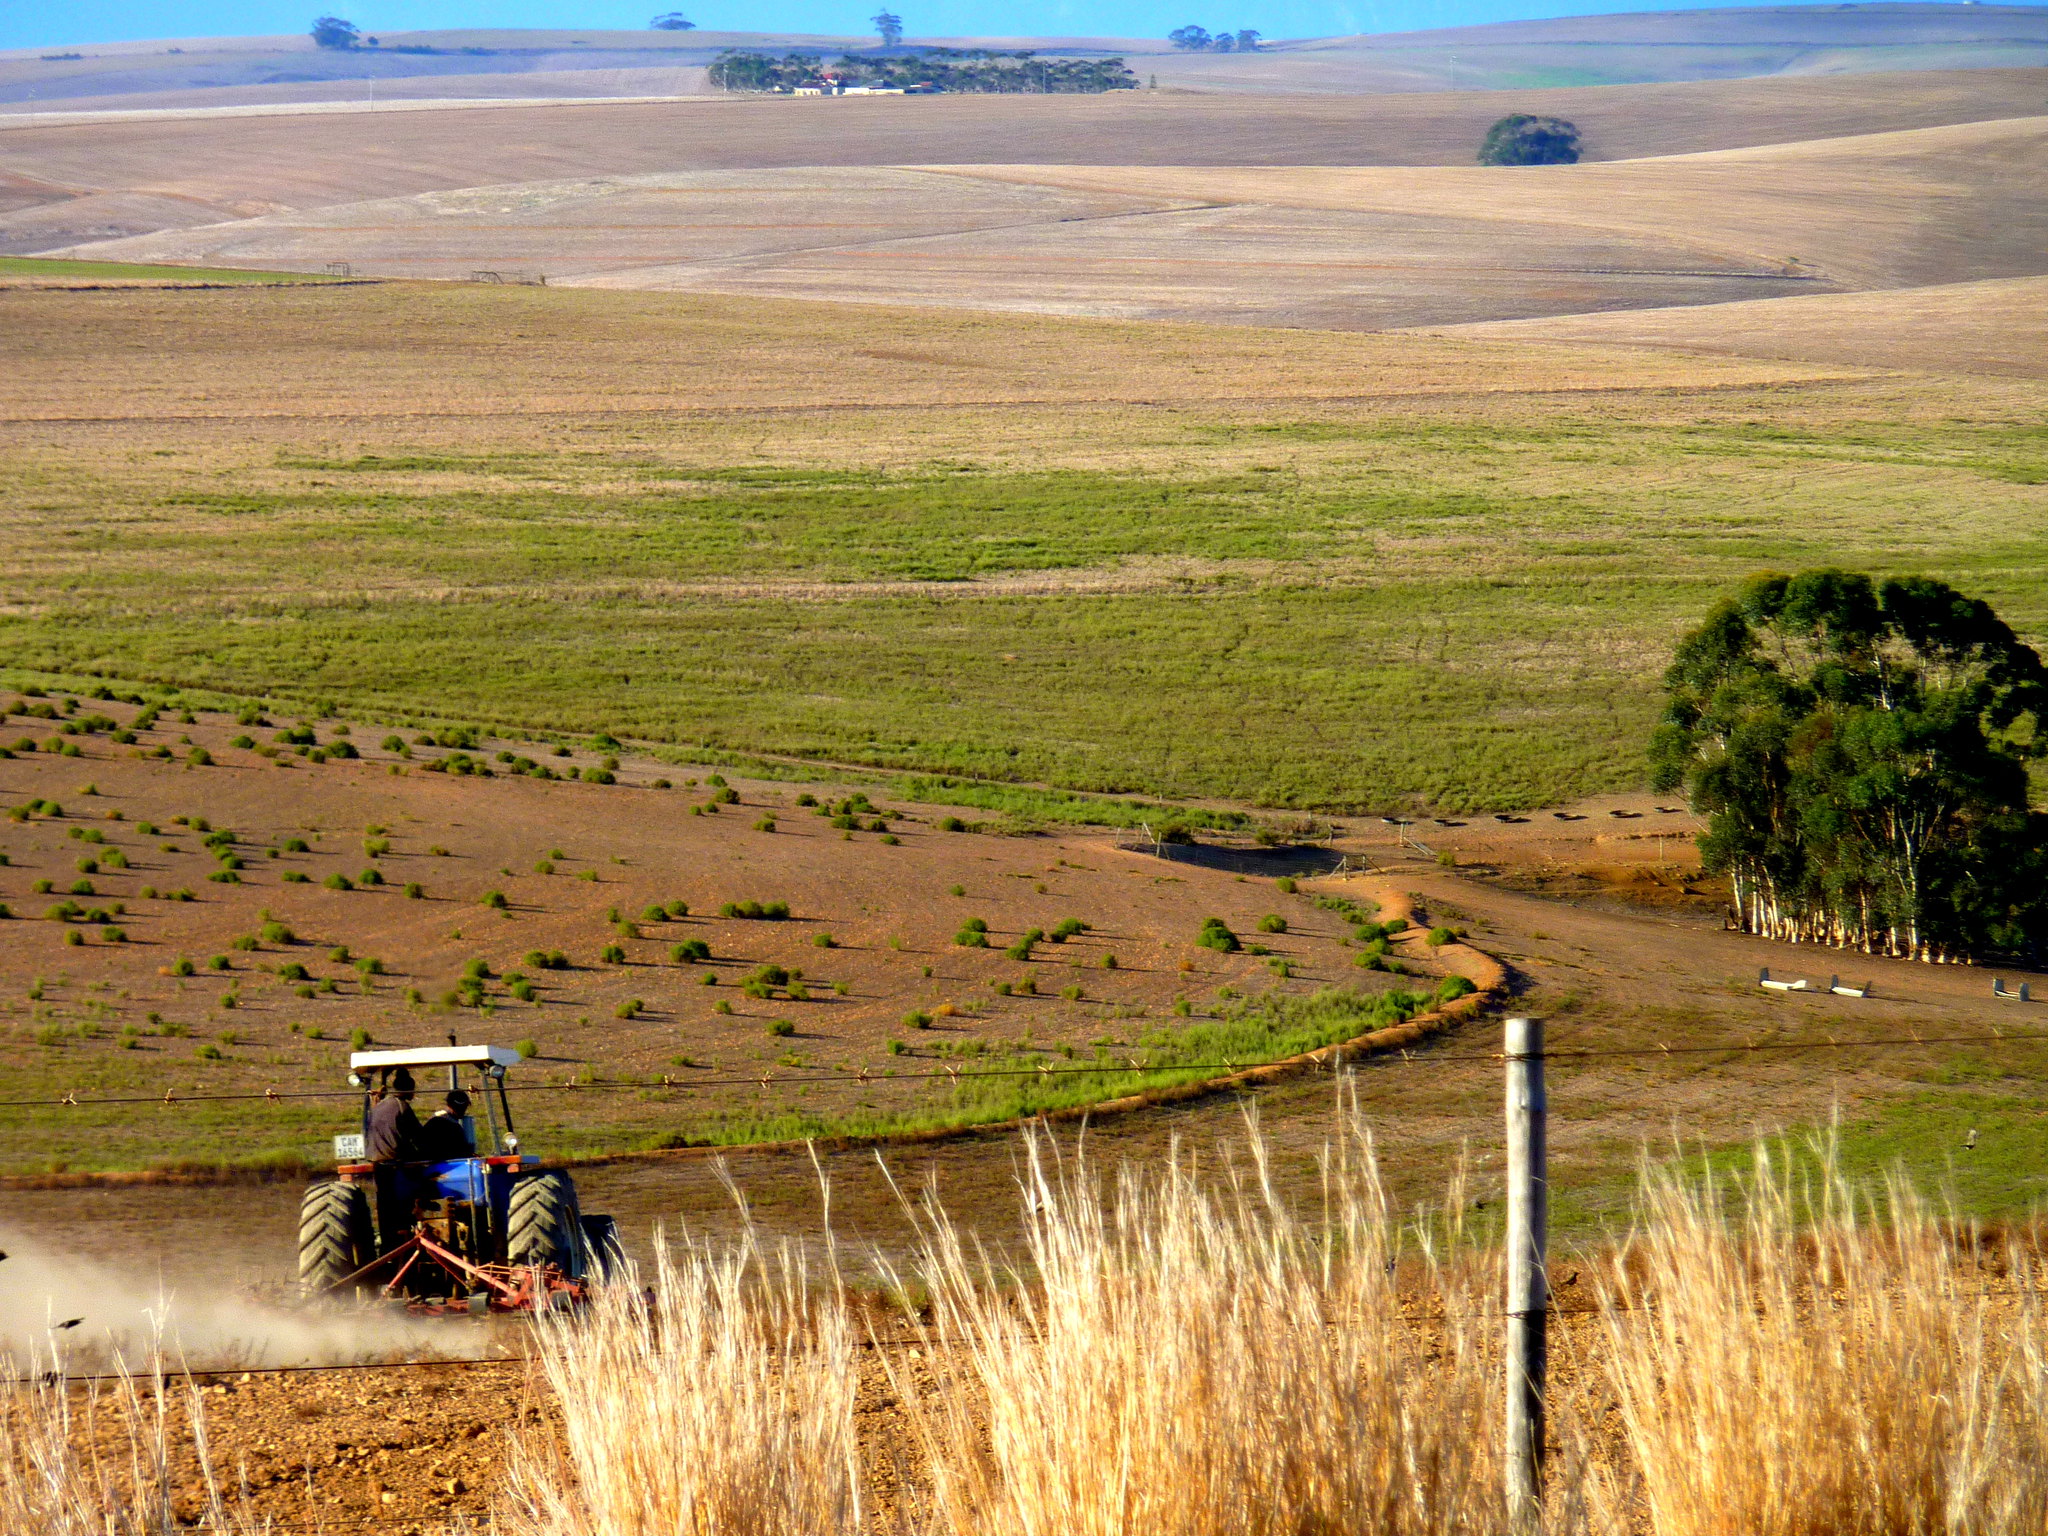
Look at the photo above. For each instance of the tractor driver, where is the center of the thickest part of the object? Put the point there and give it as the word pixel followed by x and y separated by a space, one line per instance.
pixel 442 1137
pixel 394 1142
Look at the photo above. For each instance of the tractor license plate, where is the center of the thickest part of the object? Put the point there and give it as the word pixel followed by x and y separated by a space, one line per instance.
pixel 348 1149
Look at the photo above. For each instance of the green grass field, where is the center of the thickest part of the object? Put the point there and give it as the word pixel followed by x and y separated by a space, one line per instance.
pixel 1471 617
pixel 52 266
pixel 447 505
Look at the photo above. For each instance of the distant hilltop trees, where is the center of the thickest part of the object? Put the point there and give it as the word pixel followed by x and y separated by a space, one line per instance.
pixel 965 71
pixel 333 32
pixel 1202 40
pixel 673 21
pixel 1523 139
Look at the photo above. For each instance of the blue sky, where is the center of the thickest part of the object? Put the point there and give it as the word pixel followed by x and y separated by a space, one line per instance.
pixel 26 25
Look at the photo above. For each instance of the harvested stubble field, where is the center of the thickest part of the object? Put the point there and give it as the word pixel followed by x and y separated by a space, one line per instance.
pixel 66 180
pixel 1345 248
pixel 1404 569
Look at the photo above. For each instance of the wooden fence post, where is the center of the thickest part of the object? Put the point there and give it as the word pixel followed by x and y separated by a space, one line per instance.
pixel 1528 1288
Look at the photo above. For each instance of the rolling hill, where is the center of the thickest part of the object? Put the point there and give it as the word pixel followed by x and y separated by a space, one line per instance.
pixel 1720 43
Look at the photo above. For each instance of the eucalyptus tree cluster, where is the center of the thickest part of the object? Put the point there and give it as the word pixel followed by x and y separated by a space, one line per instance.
pixel 1860 750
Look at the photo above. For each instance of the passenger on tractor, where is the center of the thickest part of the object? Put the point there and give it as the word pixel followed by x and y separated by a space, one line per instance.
pixel 444 1137
pixel 394 1141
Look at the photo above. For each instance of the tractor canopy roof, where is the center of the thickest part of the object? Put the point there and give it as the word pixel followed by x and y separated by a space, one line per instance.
pixel 435 1056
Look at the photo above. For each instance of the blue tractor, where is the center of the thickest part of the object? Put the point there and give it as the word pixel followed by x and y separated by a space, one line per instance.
pixel 488 1232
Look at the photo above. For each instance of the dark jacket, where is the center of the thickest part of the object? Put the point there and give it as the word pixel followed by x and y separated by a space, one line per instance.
pixel 394 1132
pixel 442 1138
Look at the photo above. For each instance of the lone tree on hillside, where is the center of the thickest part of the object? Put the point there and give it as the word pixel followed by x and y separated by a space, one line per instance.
pixel 888 26
pixel 1860 751
pixel 333 32
pixel 1520 139
pixel 673 21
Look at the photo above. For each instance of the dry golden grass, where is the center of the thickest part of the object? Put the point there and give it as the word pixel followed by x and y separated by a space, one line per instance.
pixel 1999 326
pixel 1186 1356
pixel 1878 210
pixel 353 354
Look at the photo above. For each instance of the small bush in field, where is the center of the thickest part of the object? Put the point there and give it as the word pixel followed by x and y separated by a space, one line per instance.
pixel 612 954
pixel 824 941
pixel 496 901
pixel 527 1050
pixel 414 891
pixel 629 1009
pixel 917 1020
pixel 1216 935
pixel 1285 885
pixel 781 1028
pixel 1272 922
pixel 338 882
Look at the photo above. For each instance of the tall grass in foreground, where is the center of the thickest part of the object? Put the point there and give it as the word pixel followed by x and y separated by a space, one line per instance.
pixel 56 1481
pixel 1176 1351
pixel 1822 1364
pixel 722 1402
pixel 1179 1361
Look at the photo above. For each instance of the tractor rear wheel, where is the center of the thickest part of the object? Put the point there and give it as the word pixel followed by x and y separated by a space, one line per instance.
pixel 544 1226
pixel 335 1239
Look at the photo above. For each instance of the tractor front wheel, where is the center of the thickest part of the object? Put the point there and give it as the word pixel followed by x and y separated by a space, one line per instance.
pixel 544 1226
pixel 335 1239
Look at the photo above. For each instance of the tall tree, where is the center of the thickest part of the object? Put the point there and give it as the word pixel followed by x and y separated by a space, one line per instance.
pixel 888 26
pixel 1861 753
pixel 1189 39
pixel 333 32
pixel 1523 139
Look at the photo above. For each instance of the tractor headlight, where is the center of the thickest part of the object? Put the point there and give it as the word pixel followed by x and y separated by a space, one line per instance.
pixel 511 1142
pixel 494 1070
pixel 357 1080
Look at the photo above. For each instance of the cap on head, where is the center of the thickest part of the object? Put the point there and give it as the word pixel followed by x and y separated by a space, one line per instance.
pixel 401 1083
pixel 458 1101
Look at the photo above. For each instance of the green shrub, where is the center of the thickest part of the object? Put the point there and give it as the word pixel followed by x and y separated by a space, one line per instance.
pixel 917 1020
pixel 1437 937
pixel 951 824
pixel 296 877
pixel 678 909
pixel 199 757
pixel 295 845
pixel 496 901
pixel 612 954
pixel 689 951
pixel 1216 935
pixel 896 1047
pixel 1109 962
pixel 292 971
pixel 1272 922
pixel 1021 950
pixel 654 912
pixel 276 933
pixel 338 882
pixel 1066 928
pixel 414 891
pixel 82 888
pixel 721 1006
pixel 824 941
pixel 527 1049
pixel 629 1009
pixel 1285 885
pixel 208 1053
pixel 1071 994
pixel 781 1028
pixel 524 991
